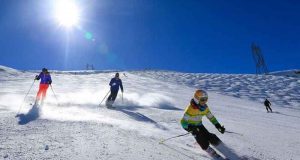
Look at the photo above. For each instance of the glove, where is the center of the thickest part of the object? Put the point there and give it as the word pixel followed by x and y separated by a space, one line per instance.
pixel 36 77
pixel 220 128
pixel 122 90
pixel 50 82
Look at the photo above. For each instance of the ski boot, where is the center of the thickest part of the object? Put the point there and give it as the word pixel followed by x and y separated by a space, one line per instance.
pixel 109 104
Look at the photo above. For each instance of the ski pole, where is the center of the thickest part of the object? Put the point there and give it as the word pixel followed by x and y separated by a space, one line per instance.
pixel 104 98
pixel 25 97
pixel 54 95
pixel 162 141
pixel 122 98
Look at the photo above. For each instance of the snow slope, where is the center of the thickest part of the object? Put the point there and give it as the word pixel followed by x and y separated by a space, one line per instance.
pixel 287 73
pixel 281 90
pixel 152 106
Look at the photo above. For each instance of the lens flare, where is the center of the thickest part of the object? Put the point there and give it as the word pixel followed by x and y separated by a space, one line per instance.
pixel 88 35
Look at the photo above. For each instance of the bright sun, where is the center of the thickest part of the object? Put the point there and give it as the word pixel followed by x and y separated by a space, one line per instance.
pixel 67 13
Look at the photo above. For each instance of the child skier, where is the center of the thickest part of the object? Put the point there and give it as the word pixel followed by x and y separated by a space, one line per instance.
pixel 44 84
pixel 192 122
pixel 114 83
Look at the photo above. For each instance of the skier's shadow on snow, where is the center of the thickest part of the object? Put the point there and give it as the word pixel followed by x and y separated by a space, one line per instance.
pixel 285 114
pixel 32 115
pixel 167 106
pixel 162 105
pixel 140 117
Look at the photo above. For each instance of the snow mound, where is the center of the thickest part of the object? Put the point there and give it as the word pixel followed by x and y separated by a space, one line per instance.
pixel 288 73
pixel 7 69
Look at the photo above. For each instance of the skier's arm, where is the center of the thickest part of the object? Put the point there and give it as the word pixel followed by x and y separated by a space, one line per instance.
pixel 111 81
pixel 214 121
pixel 38 77
pixel 185 125
pixel 211 117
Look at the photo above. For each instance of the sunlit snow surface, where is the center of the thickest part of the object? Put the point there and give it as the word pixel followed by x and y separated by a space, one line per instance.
pixel 75 127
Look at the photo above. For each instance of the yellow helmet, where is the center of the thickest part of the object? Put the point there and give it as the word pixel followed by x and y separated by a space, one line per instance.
pixel 200 96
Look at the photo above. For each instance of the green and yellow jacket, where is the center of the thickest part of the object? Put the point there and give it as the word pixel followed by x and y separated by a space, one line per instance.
pixel 193 115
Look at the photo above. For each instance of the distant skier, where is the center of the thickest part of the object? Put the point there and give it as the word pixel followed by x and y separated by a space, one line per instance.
pixel 192 122
pixel 268 105
pixel 115 83
pixel 44 84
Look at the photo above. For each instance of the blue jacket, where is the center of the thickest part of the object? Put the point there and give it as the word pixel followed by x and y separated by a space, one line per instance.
pixel 115 83
pixel 45 78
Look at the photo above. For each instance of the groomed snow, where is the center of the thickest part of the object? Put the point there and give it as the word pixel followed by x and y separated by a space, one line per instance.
pixel 152 106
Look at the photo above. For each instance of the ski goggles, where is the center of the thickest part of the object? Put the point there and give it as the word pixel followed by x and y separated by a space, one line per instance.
pixel 203 99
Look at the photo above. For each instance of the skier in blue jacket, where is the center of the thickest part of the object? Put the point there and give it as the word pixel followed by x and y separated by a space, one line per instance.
pixel 115 83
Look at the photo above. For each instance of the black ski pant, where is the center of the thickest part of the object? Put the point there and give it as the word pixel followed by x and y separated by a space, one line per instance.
pixel 113 95
pixel 268 108
pixel 203 137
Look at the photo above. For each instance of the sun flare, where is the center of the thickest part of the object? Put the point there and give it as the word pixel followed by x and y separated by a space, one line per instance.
pixel 67 13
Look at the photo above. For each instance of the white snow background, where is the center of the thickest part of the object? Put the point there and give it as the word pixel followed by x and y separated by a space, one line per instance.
pixel 75 127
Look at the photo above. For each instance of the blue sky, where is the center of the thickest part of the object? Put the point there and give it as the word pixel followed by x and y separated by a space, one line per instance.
pixel 181 35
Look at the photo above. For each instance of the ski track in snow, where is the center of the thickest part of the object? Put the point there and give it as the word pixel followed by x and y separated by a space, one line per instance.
pixel 153 104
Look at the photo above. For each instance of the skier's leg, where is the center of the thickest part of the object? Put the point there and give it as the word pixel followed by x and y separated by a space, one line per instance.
pixel 270 108
pixel 114 95
pixel 202 138
pixel 213 139
pixel 44 92
pixel 111 98
pixel 202 141
pixel 38 95
pixel 267 109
